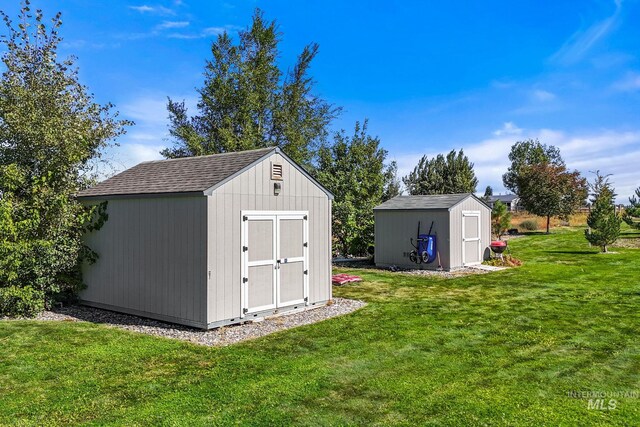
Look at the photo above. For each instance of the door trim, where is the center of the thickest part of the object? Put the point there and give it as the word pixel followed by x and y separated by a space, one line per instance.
pixel 472 239
pixel 275 216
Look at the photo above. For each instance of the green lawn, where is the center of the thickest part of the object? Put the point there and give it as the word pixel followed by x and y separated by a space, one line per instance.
pixel 499 349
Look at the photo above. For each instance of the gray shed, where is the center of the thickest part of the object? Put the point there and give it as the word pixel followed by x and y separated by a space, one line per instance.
pixel 461 223
pixel 211 240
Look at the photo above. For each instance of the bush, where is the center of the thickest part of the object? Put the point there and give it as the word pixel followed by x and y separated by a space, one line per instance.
pixel 529 225
pixel 21 302
pixel 505 261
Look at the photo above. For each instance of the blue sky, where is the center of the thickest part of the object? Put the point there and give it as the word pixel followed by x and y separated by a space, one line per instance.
pixel 429 76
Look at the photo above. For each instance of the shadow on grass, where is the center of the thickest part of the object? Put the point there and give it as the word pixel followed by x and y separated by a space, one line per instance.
pixel 574 252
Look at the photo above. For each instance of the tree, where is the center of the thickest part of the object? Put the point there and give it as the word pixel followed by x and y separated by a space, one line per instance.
pixel 392 183
pixel 632 211
pixel 528 153
pixel 442 175
pixel 354 170
pixel 603 221
pixel 246 102
pixel 548 190
pixel 50 131
pixel 488 193
pixel 500 219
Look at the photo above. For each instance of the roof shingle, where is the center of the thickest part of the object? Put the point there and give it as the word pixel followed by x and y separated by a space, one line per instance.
pixel 185 175
pixel 435 201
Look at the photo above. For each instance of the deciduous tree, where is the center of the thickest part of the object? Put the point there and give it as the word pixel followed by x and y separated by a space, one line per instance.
pixel 50 131
pixel 528 153
pixel 354 170
pixel 442 175
pixel 247 102
pixel 549 190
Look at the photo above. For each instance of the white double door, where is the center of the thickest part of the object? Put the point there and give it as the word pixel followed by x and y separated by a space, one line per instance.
pixel 274 260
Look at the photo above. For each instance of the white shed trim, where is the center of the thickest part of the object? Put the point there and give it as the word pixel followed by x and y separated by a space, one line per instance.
pixel 465 239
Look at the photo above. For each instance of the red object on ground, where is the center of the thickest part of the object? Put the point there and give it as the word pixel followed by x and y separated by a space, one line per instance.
pixel 498 246
pixel 341 279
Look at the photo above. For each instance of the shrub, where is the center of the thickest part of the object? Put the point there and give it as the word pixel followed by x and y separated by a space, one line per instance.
pixel 505 261
pixel 21 302
pixel 529 225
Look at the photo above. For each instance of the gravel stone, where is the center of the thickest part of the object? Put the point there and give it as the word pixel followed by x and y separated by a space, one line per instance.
pixel 222 336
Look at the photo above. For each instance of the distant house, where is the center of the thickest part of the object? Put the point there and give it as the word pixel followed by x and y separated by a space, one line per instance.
pixel 511 200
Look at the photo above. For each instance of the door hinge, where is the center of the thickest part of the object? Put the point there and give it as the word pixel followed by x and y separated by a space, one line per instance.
pixel 306 272
pixel 245 279
pixel 305 244
pixel 306 299
pixel 245 249
pixel 244 217
pixel 245 310
pixel 305 217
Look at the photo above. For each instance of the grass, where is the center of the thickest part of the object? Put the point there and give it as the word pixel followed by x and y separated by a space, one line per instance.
pixel 499 349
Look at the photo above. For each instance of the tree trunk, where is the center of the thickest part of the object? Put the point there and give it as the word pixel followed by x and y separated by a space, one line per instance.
pixel 604 248
pixel 548 222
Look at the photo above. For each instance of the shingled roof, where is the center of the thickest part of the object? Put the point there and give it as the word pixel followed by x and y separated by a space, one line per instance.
pixel 185 175
pixel 435 201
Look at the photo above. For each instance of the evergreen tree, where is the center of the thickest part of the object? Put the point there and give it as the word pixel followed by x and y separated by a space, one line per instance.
pixel 354 170
pixel 247 102
pixel 632 211
pixel 500 219
pixel 603 220
pixel 442 175
pixel 488 193
pixel 392 183
pixel 50 132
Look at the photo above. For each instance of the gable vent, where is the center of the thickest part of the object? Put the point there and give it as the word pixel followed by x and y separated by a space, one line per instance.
pixel 276 171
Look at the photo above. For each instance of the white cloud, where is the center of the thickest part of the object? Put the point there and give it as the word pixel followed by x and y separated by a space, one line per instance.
pixel 206 32
pixel 609 151
pixel 172 24
pixel 579 44
pixel 543 95
pixel 630 83
pixel 156 10
pixel 509 128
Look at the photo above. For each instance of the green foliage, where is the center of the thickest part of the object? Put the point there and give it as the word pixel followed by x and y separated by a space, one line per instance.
pixel 51 131
pixel 529 225
pixel 497 349
pixel 528 153
pixel 16 301
pixel 354 170
pixel 246 102
pixel 442 175
pixel 500 219
pixel 547 189
pixel 392 183
pixel 603 220
pixel 632 211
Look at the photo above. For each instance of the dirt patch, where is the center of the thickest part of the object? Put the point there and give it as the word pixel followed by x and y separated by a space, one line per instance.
pixel 628 242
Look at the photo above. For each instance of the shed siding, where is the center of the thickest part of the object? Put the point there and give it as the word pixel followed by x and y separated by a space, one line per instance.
pixel 469 204
pixel 152 259
pixel 253 190
pixel 394 229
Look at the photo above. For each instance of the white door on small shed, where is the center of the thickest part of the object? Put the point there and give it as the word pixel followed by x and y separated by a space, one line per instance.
pixel 274 260
pixel 471 242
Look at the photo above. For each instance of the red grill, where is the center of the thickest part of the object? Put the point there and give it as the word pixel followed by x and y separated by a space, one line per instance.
pixel 498 246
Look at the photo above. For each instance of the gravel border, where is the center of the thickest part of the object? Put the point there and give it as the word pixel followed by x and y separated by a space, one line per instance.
pixel 222 336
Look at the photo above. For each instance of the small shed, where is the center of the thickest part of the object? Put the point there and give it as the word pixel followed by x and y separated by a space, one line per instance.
pixel 211 240
pixel 461 224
